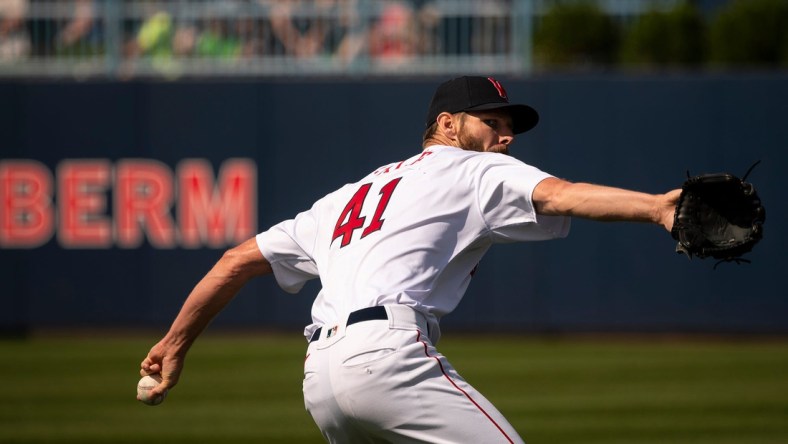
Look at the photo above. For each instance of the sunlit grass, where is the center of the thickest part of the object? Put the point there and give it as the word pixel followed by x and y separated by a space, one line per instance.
pixel 247 388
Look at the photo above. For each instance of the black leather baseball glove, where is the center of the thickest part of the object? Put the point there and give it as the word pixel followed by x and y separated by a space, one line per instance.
pixel 718 215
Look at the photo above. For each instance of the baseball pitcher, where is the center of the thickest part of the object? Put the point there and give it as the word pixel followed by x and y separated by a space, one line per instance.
pixel 395 252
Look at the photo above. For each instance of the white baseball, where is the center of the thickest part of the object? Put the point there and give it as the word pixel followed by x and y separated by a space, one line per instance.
pixel 146 384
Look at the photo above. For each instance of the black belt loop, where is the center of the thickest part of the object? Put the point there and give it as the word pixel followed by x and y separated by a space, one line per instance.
pixel 365 314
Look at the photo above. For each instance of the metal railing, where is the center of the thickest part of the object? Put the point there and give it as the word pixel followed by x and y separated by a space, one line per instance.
pixel 122 39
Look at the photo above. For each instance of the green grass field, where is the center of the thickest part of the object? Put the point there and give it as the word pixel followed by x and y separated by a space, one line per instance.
pixel 247 388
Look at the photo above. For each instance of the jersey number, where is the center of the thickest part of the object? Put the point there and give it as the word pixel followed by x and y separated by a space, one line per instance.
pixel 351 219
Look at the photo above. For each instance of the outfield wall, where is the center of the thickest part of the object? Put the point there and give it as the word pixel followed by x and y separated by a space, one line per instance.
pixel 83 163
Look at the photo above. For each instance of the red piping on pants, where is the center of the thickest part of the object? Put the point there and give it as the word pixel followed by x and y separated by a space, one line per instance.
pixel 445 375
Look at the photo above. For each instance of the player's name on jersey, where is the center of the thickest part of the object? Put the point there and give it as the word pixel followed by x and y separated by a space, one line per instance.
pixel 98 203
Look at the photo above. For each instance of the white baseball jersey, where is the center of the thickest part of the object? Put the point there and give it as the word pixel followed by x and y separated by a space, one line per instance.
pixel 409 233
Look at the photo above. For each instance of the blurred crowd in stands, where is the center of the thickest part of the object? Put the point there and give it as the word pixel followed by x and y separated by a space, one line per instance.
pixel 14 39
pixel 389 31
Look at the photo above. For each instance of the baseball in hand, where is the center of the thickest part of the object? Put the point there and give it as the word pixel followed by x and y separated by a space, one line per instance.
pixel 146 384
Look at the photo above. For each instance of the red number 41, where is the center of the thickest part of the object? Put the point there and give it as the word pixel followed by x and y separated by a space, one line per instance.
pixel 351 219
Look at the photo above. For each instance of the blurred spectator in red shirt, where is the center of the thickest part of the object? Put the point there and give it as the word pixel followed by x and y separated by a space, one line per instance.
pixel 393 37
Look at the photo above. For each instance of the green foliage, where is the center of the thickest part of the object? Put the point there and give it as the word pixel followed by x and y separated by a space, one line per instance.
pixel 576 33
pixel 673 38
pixel 750 33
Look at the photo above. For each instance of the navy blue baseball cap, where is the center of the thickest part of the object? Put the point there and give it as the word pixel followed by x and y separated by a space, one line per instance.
pixel 471 93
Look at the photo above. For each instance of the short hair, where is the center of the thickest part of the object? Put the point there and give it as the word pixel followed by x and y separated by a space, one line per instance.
pixel 432 129
pixel 429 132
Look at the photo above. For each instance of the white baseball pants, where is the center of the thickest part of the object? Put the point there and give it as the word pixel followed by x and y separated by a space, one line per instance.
pixel 382 381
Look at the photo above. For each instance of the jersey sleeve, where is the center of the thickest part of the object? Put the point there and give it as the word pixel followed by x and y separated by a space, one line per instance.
pixel 287 246
pixel 506 188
